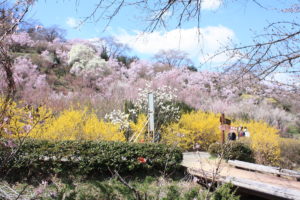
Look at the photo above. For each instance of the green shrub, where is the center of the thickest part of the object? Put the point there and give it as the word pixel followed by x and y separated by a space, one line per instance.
pixel 232 151
pixel 172 193
pixel 225 192
pixel 89 157
pixel 215 149
pixel 239 151
pixel 192 194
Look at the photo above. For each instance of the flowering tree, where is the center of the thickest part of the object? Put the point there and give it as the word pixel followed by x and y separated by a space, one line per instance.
pixel 11 17
pixel 133 119
pixel 173 58
pixel 165 109
pixel 139 69
pixel 118 117
pixel 272 54
pixel 80 53
pixel 27 75
pixel 84 61
pixel 20 40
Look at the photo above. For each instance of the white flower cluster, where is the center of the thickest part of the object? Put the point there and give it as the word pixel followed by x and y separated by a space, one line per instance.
pixel 118 117
pixel 85 61
pixel 48 56
pixel 164 104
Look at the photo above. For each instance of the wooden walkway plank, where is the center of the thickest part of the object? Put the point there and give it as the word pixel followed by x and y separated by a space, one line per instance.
pixel 255 186
pixel 265 169
pixel 252 179
pixel 277 191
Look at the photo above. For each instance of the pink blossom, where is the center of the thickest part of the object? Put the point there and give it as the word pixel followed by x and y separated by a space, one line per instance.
pixel 22 39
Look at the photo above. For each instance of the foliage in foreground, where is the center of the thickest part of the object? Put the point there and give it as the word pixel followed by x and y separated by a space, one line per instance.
pixel 225 192
pixel 149 188
pixel 87 157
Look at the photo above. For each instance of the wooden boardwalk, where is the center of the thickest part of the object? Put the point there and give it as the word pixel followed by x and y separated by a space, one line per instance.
pixel 265 184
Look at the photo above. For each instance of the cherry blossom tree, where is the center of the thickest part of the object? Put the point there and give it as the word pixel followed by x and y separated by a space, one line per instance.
pixel 10 18
pixel 173 58
pixel 273 53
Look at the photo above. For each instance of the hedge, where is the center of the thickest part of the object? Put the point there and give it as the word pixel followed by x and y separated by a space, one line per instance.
pixel 89 157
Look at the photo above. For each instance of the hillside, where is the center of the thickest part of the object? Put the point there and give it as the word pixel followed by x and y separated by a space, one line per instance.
pixel 60 73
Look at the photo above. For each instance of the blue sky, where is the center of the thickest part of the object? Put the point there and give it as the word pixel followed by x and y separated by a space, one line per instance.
pixel 220 23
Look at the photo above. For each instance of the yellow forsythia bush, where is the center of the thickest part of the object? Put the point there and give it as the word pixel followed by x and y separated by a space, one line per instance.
pixel 195 127
pixel 203 128
pixel 23 120
pixel 139 128
pixel 95 129
pixel 264 141
pixel 75 124
pixel 67 126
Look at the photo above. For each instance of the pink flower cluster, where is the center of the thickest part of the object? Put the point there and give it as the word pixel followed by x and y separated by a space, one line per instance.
pixel 22 39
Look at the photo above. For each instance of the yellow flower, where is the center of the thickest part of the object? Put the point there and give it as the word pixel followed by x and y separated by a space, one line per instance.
pixel 74 124
pixel 264 141
pixel 196 127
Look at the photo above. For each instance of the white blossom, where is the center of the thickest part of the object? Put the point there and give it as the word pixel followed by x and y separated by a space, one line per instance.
pixel 118 117
pixel 164 104
pixel 85 61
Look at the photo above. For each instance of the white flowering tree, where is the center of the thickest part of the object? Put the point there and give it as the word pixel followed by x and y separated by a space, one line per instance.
pixel 118 117
pixel 165 108
pixel 85 61
pixel 122 119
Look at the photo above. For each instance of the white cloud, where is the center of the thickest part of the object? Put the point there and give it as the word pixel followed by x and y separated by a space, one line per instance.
pixel 72 22
pixel 211 4
pixel 211 38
